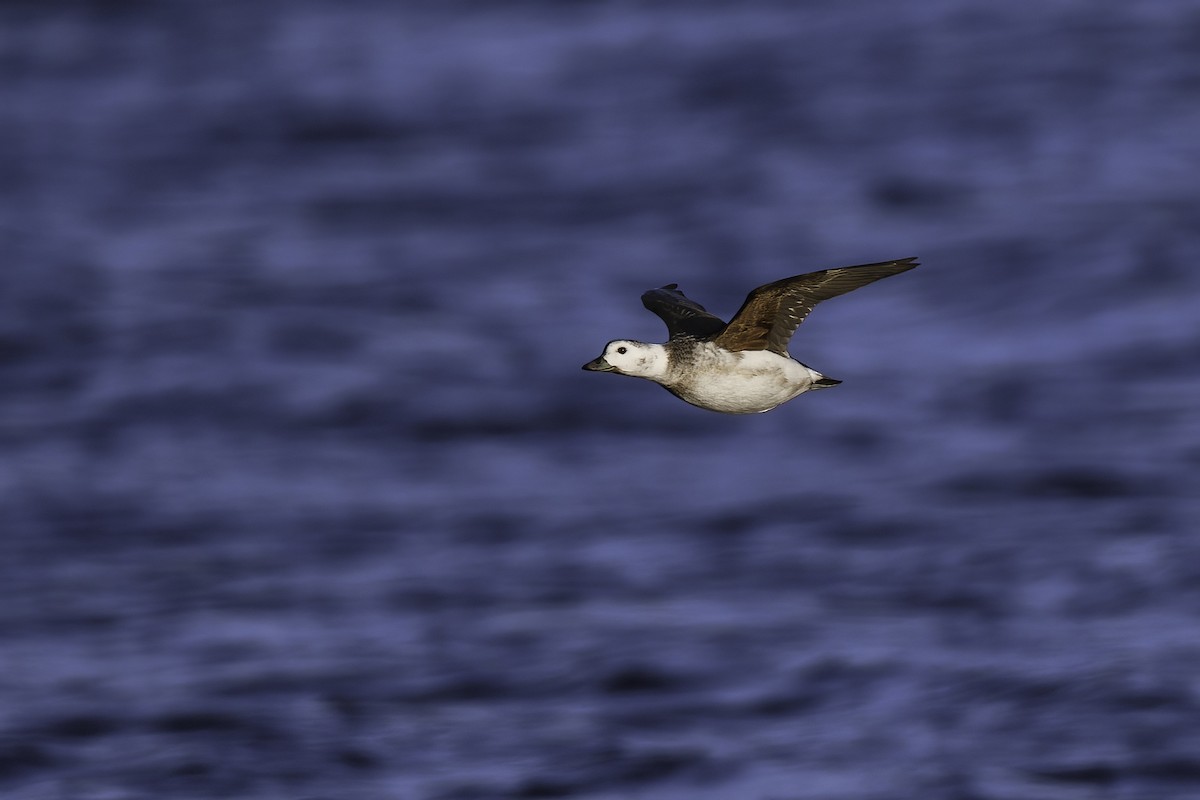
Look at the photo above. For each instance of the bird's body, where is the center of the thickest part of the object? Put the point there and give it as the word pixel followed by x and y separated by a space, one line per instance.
pixel 737 382
pixel 742 367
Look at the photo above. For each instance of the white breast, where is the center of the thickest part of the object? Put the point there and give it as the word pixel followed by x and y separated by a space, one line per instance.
pixel 746 382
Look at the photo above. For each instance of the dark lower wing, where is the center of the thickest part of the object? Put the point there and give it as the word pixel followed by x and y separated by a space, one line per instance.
pixel 684 317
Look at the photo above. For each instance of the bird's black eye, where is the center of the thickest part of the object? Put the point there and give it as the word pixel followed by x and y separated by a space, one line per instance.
pixel 622 350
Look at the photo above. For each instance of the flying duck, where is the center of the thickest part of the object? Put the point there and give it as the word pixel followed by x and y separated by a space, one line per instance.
pixel 742 367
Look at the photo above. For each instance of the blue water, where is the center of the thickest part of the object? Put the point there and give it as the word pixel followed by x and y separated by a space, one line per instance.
pixel 304 495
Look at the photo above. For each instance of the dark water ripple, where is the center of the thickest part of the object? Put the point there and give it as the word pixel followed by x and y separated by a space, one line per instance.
pixel 304 494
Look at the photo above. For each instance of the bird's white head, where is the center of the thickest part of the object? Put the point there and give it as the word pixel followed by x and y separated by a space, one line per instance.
pixel 638 359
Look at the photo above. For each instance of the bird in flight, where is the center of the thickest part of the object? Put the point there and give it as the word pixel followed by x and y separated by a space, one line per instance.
pixel 742 367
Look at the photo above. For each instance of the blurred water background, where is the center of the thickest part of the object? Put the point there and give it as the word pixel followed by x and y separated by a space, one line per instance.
pixel 304 495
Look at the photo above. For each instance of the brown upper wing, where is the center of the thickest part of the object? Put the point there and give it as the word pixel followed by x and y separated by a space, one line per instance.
pixel 771 313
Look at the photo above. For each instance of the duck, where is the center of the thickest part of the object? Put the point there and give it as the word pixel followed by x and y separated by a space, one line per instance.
pixel 743 366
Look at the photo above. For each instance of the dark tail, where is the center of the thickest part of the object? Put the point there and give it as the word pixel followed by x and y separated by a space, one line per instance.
pixel 824 383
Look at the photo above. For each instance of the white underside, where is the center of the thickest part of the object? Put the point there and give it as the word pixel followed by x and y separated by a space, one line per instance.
pixel 746 382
